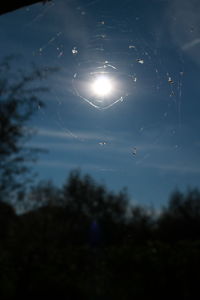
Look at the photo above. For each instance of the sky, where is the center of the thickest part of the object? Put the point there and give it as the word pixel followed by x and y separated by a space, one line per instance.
pixel 144 135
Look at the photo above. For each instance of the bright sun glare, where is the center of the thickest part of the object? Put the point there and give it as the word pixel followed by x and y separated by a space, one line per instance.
pixel 102 86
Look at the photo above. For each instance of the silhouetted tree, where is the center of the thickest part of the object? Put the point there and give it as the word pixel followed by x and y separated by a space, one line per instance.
pixel 181 218
pixel 19 100
pixel 44 194
pixel 7 218
pixel 81 193
pixel 140 225
pixel 9 6
pixel 85 199
pixel 79 242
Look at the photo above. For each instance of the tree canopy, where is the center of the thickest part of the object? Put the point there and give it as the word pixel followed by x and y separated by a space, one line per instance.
pixel 82 241
pixel 10 6
pixel 20 98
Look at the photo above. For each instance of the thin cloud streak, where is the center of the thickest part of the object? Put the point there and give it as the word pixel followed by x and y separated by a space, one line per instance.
pixel 182 169
pixel 65 165
pixel 191 44
pixel 95 145
pixel 67 134
pixel 63 147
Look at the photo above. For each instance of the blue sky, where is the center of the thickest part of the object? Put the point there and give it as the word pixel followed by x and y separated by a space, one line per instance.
pixel 151 48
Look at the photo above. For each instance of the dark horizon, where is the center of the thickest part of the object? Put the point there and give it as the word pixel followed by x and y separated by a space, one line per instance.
pixel 84 242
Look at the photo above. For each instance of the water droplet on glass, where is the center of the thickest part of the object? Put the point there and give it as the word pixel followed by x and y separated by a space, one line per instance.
pixel 140 61
pixel 170 80
pixel 134 151
pixel 102 143
pixel 60 54
pixel 173 131
pixel 74 51
pixel 112 67
pixel 131 47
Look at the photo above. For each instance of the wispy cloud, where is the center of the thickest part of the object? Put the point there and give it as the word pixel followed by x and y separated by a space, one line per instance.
pixel 67 134
pixel 55 140
pixel 191 44
pixel 55 133
pixel 181 169
pixel 66 166
pixel 65 146
pixel 183 19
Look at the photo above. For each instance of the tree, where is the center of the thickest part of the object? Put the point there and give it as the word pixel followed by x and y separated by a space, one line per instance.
pixel 62 248
pixel 13 5
pixel 82 194
pixel 180 220
pixel 19 100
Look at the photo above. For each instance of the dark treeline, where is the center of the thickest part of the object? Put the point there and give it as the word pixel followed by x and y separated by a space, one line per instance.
pixel 9 6
pixel 81 241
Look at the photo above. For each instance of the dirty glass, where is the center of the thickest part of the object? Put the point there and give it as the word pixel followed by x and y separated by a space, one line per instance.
pixel 123 105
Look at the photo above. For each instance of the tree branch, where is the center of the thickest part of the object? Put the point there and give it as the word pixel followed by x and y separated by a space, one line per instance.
pixel 10 5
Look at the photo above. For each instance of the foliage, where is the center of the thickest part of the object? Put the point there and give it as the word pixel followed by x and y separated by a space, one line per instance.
pixel 11 6
pixel 181 219
pixel 78 241
pixel 19 100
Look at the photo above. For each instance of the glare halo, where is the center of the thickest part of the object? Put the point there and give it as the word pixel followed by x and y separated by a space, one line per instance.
pixel 102 86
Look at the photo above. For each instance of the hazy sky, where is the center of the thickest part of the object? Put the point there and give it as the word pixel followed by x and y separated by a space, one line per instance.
pixel 145 134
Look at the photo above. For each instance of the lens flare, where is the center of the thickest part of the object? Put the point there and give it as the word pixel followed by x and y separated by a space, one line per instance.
pixel 102 86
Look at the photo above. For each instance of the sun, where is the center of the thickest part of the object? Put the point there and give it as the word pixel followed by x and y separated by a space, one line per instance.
pixel 102 86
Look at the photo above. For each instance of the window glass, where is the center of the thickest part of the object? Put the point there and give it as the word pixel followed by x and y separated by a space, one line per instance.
pixel 123 104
